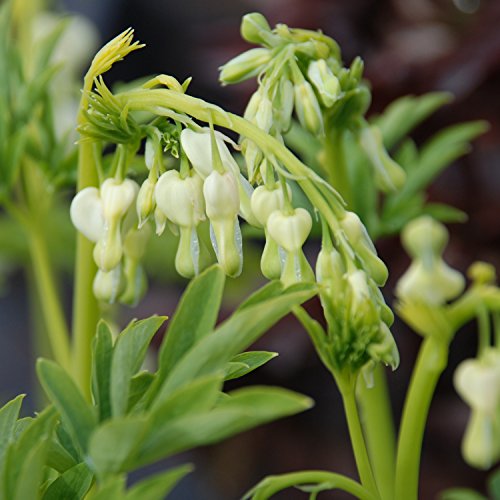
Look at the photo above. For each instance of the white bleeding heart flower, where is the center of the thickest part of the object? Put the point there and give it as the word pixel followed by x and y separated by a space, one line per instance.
pixel 117 197
pixel 180 200
pixel 87 215
pixel 265 201
pixel 221 195
pixel 290 231
pixel 145 203
pixel 478 382
pixel 198 148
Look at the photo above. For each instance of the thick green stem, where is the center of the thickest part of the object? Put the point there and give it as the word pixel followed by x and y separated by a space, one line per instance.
pixel 85 307
pixel 336 166
pixel 55 322
pixel 378 427
pixel 347 390
pixel 431 362
pixel 274 484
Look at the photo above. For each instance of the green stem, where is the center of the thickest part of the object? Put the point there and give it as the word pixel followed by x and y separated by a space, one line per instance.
pixel 274 484
pixel 85 307
pixel 484 329
pixel 356 434
pixel 336 165
pixel 378 427
pixel 53 315
pixel 431 362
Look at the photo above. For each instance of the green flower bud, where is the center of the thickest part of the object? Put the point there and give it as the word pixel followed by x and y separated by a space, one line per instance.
pixel 180 200
pixel 481 442
pixel 145 203
pixel 136 283
pixel 330 269
pixel 283 105
pixel 108 250
pixel 160 221
pixel 192 256
pixel 253 156
pixel 245 66
pixel 264 201
pixel 308 109
pixel 290 231
pixel 270 262
pixel 325 81
pixel 255 28
pixel 362 244
pixel 87 215
pixel 385 349
pixel 109 285
pixel 389 176
pixel 135 242
pixel 428 279
pixel 482 273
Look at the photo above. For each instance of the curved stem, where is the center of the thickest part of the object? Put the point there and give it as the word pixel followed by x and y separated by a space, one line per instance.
pixel 378 427
pixel 357 438
pixel 431 362
pixel 274 484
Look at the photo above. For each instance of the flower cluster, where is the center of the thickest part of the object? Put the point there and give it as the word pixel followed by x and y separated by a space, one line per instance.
pixel 302 70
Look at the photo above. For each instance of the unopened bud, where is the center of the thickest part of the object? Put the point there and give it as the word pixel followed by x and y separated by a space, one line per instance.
pixel 255 28
pixel 308 109
pixel 108 286
pixel 145 203
pixel 325 81
pixel 136 283
pixel 245 66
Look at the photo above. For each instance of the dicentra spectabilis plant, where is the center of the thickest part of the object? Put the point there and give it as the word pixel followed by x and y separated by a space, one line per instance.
pixel 149 161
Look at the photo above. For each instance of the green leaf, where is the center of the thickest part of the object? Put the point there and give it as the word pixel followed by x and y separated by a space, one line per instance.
pixel 318 336
pixel 494 485
pixel 31 472
pixel 247 362
pixel 9 414
pixel 194 317
pixel 111 489
pixel 31 432
pixel 128 355
pixel 268 291
pixel 74 484
pixel 461 494
pixel 198 396
pixel 405 113
pixel 114 442
pixel 244 409
pixel 445 213
pixel 158 486
pixel 102 354
pixel 76 414
pixel 233 336
pixel 59 458
pixel 139 384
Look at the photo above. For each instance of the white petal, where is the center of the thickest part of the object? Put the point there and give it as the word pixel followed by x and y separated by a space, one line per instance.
pixel 87 215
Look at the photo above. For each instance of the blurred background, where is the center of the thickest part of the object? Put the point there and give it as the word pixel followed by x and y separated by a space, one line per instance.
pixel 409 47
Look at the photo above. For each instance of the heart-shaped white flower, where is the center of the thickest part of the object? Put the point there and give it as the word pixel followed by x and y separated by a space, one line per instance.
pixel 87 215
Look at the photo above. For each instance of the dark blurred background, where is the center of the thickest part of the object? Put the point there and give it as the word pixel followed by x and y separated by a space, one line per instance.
pixel 409 47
